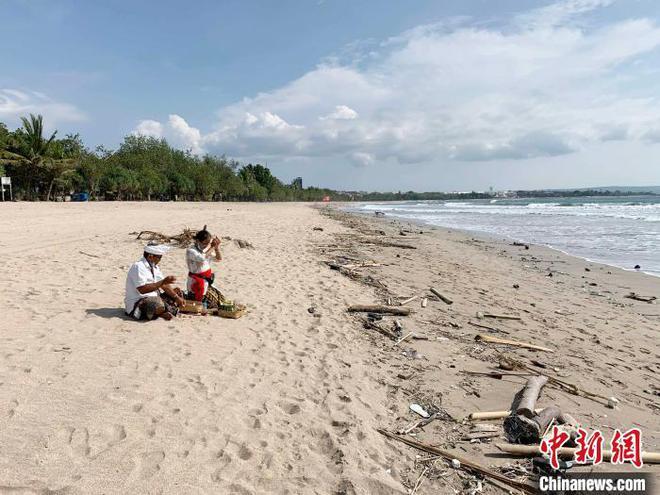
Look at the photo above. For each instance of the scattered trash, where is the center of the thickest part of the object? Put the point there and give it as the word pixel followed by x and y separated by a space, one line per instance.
pixel 455 463
pixel 637 297
pixel 416 408
pixel 320 229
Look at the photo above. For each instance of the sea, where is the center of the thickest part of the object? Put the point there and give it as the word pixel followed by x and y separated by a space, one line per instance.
pixel 621 231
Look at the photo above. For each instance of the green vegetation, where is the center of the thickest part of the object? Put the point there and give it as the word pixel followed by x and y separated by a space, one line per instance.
pixel 142 168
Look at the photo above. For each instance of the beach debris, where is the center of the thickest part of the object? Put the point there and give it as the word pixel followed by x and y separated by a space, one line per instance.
pixel 529 395
pixel 482 315
pixel 320 229
pixel 388 244
pixel 411 353
pixel 379 213
pixel 403 338
pixel 638 297
pixel 377 308
pixel 311 310
pixel 488 415
pixel 243 244
pixel 516 286
pixel 637 267
pixel 89 254
pixel 525 345
pixel 567 452
pixel 416 408
pixel 369 324
pixel 486 327
pixel 465 463
pixel 520 244
pixel 437 293
pixel 425 302
pixel 612 402
pixel 410 299
pixel 455 463
pixel 184 239
pixel 521 429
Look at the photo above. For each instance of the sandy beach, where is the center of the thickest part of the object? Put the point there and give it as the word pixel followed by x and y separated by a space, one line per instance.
pixel 284 400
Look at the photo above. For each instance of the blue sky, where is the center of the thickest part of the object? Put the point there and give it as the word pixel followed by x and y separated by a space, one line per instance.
pixel 387 95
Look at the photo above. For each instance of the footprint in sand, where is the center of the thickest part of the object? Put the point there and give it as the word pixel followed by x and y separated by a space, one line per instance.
pixel 290 408
pixel 148 463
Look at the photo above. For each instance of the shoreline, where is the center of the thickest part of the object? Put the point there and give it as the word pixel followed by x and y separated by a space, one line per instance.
pixel 498 237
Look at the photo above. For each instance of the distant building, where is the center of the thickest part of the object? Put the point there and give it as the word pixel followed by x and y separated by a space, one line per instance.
pixel 297 183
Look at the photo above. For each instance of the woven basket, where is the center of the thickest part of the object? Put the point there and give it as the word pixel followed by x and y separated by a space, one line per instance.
pixel 233 311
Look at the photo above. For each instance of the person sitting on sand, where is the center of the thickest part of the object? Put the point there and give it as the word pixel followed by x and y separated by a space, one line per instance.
pixel 200 274
pixel 149 295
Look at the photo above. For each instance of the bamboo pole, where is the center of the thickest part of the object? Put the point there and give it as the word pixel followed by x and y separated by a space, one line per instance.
pixel 566 452
pixel 483 415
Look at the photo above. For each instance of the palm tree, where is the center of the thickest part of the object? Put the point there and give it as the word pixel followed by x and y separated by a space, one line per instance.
pixel 37 152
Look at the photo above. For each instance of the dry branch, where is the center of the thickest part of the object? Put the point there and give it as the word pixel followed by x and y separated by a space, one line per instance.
pixel 495 340
pixel 377 308
pixel 444 299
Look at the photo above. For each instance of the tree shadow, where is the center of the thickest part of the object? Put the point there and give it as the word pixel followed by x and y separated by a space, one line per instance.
pixel 108 313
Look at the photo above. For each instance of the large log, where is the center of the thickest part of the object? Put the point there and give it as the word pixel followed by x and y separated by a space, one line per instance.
pixel 529 395
pixel 377 308
pixel 521 429
pixel 567 452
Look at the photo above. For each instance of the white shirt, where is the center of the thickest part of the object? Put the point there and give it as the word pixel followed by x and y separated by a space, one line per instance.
pixel 197 262
pixel 141 273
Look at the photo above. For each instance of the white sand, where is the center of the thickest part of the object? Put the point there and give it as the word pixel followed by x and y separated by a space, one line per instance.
pixel 279 400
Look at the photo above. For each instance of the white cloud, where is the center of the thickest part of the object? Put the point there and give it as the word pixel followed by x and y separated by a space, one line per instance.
pixel 150 128
pixel 543 85
pixel 16 103
pixel 342 112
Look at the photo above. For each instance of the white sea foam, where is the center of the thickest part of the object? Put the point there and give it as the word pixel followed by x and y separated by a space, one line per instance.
pixel 622 232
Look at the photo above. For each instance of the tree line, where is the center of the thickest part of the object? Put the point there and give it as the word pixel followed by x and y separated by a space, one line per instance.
pixel 45 167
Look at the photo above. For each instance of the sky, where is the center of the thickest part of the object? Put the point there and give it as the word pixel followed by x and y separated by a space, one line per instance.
pixel 385 95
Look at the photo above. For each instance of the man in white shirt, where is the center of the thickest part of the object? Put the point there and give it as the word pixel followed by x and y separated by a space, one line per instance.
pixel 144 283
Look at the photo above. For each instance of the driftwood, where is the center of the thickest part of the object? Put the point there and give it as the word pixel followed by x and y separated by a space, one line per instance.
pixel 375 326
pixel 184 239
pixel 521 429
pixel 486 327
pixel 501 317
pixel 478 435
pixel 377 308
pixel 529 395
pixel 444 299
pixel 388 244
pixel 567 452
pixel 637 297
pixel 410 299
pixel 566 386
pixel 495 340
pixel 486 415
pixel 465 462
pixel 498 374
pixel 243 244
